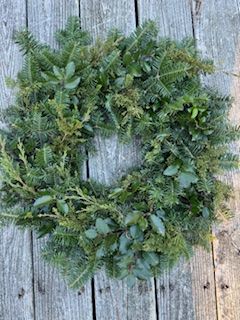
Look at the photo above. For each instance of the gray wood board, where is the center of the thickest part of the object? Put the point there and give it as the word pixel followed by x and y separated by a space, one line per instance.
pixel 217 29
pixel 16 292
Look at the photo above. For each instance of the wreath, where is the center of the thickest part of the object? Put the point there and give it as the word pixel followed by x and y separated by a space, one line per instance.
pixel 138 87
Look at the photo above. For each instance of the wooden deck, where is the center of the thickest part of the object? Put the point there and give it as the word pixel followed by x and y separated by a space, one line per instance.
pixel 207 288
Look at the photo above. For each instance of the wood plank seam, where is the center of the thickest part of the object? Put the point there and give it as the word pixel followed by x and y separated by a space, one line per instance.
pixel 156 299
pixel 94 316
pixel 221 45
pixel 192 17
pixel 33 275
pixel 154 280
pixel 195 11
pixel 16 294
pixel 136 12
pixel 31 232
pixel 215 282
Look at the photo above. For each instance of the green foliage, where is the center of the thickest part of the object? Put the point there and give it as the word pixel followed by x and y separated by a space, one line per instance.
pixel 136 86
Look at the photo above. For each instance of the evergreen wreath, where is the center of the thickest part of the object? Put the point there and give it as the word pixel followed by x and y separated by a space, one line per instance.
pixel 139 87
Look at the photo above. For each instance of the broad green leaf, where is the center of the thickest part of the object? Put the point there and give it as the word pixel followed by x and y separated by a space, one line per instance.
pixel 91 233
pixel 72 84
pixel 161 213
pixel 136 232
pixel 115 193
pixel 75 100
pixel 54 82
pixel 205 212
pixel 171 170
pixel 142 270
pixel 194 113
pixel 88 127
pixel 151 257
pixel 49 76
pixel 124 244
pixel 58 72
pixel 70 70
pixel 186 178
pixel 157 224
pixel 102 226
pixel 132 218
pixel 43 201
pixel 119 82
pixel 62 206
pixel 100 252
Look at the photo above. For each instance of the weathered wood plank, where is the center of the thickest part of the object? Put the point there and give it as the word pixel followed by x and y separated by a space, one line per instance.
pixel 112 159
pixel 16 290
pixel 173 18
pixel 188 291
pixel 218 34
pixel 114 300
pixel 174 293
pixel 53 299
pixel 45 17
pixel 203 285
pixel 101 16
pixel 16 293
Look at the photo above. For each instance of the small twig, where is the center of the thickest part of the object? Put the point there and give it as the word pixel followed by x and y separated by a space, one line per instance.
pixel 228 73
pixel 8 215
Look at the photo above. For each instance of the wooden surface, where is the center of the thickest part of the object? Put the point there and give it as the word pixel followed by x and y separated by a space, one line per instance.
pixel 16 289
pixel 206 288
pixel 222 44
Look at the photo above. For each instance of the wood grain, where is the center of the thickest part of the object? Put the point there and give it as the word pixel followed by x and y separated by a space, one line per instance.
pixel 16 292
pixel 99 17
pixel 16 274
pixel 53 299
pixel 222 44
pixel 114 300
pixel 188 291
pixel 173 18
pixel 45 17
